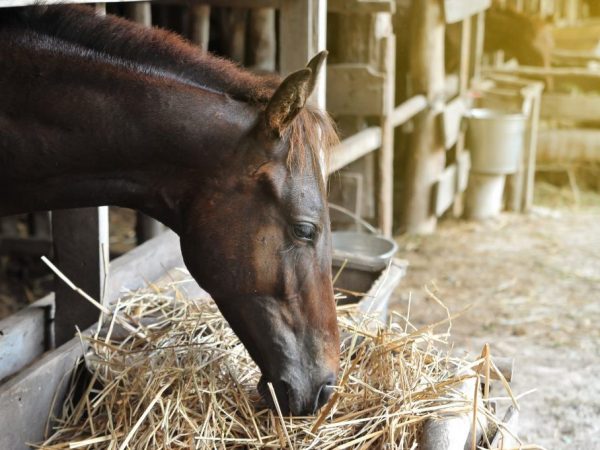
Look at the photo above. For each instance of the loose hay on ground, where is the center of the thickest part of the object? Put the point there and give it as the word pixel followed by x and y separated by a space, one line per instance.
pixel 184 380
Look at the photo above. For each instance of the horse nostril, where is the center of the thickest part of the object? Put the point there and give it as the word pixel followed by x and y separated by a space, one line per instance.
pixel 324 393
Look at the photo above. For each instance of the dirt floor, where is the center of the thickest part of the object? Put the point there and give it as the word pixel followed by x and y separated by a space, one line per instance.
pixel 534 283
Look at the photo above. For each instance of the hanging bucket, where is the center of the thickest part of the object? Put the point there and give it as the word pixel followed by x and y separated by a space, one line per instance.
pixel 495 140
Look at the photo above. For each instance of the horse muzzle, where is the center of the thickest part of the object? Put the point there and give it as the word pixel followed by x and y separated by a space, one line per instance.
pixel 302 397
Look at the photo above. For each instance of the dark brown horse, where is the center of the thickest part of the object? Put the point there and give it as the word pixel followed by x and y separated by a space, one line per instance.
pixel 96 110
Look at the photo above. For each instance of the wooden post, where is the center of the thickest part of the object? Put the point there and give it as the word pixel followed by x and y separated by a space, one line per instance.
pixel 385 196
pixel 478 46
pixel 464 74
pixel 262 42
pixel 100 8
pixel 233 23
pixel 140 12
pixel 302 34
pixel 81 253
pixel 426 155
pixel 201 25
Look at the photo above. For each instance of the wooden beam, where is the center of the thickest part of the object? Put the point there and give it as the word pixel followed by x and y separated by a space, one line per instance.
pixel 426 157
pixel 355 147
pixel 140 12
pixel 24 336
pixel 458 10
pixel 361 6
pixel 454 112
pixel 574 107
pixel 385 163
pixel 408 109
pixel 355 89
pixel 11 3
pixel 200 25
pixel 262 40
pixel 81 253
pixel 302 34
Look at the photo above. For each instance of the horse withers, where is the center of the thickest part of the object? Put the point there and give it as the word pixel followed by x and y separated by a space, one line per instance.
pixel 97 110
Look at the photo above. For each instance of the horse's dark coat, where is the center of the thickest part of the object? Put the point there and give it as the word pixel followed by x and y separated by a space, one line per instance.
pixel 100 111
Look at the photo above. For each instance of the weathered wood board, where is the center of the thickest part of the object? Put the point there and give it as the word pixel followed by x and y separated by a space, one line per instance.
pixel 24 336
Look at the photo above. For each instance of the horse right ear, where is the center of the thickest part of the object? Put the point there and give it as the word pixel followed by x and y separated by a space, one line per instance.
pixel 288 100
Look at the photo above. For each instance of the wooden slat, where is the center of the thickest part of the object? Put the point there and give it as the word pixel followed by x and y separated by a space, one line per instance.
pixel 542 72
pixel 302 34
pixel 571 107
pixel 361 6
pixel 453 114
pixel 355 147
pixel 26 399
pixel 24 336
pixel 11 3
pixel 458 10
pixel 81 252
pixel 408 109
pixel 451 182
pixel 354 89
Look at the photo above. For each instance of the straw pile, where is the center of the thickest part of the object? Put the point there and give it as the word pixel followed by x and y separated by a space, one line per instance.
pixel 182 379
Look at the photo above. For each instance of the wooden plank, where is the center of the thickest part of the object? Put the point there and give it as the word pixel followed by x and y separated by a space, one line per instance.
pixel 361 6
pixel 26 399
pixel 408 109
pixel 543 72
pixel 385 163
pixel 354 89
pixel 426 159
pixel 140 12
pixel 302 34
pixel 262 40
pixel 354 147
pixel 453 115
pixel 81 253
pixel 200 25
pixel 24 336
pixel 458 10
pixel 568 146
pixel 581 107
pixel 445 190
pixel 11 3
pixel 30 246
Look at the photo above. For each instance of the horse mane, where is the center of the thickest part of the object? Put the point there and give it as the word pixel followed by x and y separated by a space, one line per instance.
pixel 166 52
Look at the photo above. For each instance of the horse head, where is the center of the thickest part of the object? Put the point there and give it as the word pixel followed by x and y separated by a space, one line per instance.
pixel 258 240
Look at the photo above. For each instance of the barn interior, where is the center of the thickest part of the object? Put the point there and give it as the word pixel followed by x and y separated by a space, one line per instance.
pixel 466 180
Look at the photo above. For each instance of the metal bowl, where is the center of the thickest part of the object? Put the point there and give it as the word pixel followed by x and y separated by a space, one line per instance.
pixel 362 251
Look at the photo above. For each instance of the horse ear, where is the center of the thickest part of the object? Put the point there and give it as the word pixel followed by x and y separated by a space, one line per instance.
pixel 315 65
pixel 288 100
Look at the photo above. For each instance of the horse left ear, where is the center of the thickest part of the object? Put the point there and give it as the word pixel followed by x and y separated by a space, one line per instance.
pixel 291 96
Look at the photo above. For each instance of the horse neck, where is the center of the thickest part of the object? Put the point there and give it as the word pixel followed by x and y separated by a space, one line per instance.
pixel 82 134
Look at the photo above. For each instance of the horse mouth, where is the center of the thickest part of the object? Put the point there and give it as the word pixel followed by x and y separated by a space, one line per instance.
pixel 282 392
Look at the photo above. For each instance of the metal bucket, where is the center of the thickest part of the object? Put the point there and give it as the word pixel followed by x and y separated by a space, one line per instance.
pixel 484 195
pixel 361 257
pixel 495 139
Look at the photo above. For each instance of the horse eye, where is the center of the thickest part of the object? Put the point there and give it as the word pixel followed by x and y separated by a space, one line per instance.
pixel 304 231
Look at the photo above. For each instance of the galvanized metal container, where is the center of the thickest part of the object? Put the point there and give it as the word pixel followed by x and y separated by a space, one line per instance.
pixel 495 139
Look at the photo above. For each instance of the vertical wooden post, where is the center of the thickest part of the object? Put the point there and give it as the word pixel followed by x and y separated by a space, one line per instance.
pixel 201 25
pixel 140 12
pixel 262 43
pixel 478 49
pixel 303 32
pixel 532 147
pixel 100 8
pixel 426 155
pixel 385 197
pixel 464 74
pixel 81 252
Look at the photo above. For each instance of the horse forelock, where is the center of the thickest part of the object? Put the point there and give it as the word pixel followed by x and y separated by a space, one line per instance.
pixel 311 136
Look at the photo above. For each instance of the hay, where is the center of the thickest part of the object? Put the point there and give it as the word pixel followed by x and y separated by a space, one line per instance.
pixel 182 379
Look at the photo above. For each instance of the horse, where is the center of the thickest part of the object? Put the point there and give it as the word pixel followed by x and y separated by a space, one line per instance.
pixel 100 111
